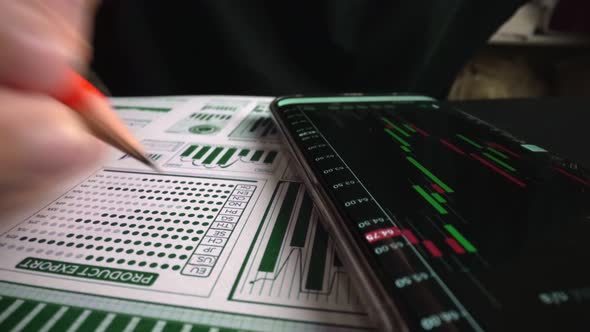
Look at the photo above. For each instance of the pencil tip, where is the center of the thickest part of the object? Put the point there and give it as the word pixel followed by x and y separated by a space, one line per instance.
pixel 146 161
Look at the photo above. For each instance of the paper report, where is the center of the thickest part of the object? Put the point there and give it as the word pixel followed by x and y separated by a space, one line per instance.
pixel 225 239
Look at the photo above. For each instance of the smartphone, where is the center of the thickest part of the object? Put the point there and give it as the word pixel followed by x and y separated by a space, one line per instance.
pixel 444 221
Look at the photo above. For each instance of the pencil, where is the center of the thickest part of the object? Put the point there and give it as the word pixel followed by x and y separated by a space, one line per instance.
pixel 81 96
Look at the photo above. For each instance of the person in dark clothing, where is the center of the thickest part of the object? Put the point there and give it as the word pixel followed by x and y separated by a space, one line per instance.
pixel 212 47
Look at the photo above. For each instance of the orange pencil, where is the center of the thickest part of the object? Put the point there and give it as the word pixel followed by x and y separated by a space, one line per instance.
pixel 81 96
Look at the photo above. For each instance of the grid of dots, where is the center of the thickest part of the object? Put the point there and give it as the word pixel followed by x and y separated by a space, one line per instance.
pixel 149 222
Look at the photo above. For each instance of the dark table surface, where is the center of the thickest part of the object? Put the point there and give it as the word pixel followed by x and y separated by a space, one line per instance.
pixel 560 125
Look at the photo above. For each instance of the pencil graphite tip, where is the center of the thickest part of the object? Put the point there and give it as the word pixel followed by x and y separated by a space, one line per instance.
pixel 146 161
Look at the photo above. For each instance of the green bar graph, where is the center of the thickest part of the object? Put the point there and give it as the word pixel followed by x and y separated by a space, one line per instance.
pixel 244 152
pixel 430 200
pixel 189 150
pixel 300 231
pixel 394 135
pixel 469 141
pixel 213 155
pixel 499 161
pixel 257 155
pixel 460 238
pixel 227 155
pixel 202 152
pixel 270 157
pixel 273 247
pixel 430 175
pixel 317 262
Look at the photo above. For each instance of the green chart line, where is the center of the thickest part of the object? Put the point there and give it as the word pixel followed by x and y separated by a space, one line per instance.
pixel 469 141
pixel 257 155
pixel 439 198
pixel 394 135
pixel 499 161
pixel 227 155
pixel 430 200
pixel 188 151
pixel 201 152
pixel 430 175
pixel 146 109
pixel 401 131
pixel 270 157
pixel 408 127
pixel 273 247
pixel 498 153
pixel 244 152
pixel 213 155
pixel 459 237
pixel 317 262
pixel 405 148
pixel 300 231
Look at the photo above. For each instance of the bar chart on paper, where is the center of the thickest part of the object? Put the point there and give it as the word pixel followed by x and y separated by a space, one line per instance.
pixel 228 158
pixel 292 261
pixel 258 125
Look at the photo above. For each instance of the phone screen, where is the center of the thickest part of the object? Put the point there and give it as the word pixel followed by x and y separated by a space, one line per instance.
pixel 465 225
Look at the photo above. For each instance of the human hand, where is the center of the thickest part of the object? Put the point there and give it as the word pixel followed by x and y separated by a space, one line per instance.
pixel 42 141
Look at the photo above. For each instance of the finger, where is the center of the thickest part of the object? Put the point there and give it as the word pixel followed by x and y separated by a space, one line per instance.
pixel 42 142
